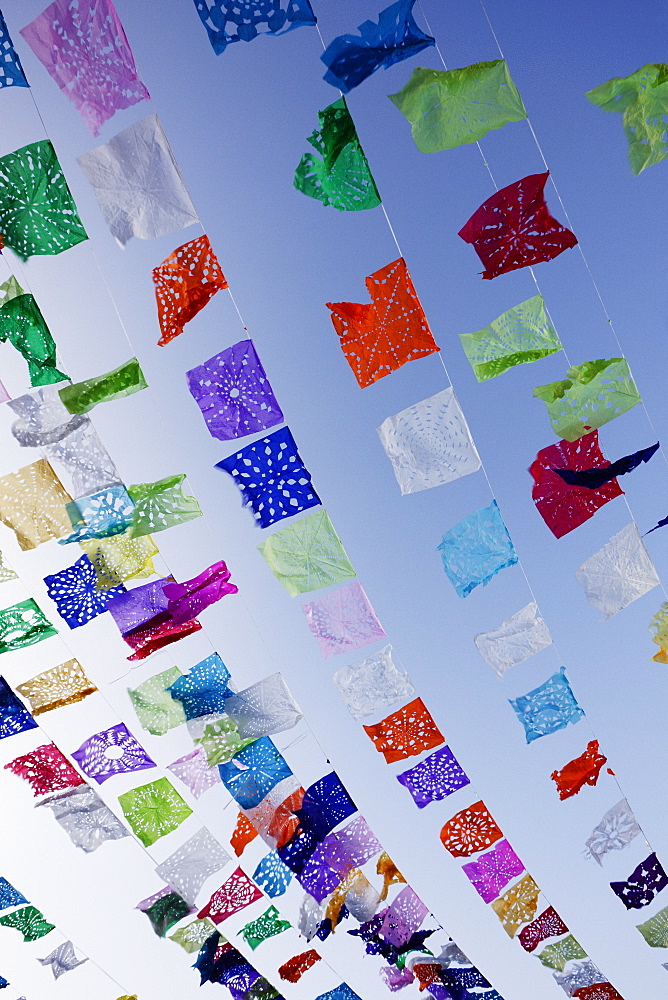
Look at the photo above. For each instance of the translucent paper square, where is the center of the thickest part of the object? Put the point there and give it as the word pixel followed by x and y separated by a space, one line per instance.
pixel 516 337
pixel 516 639
pixel 547 708
pixel 237 892
pixel 46 770
pixel 373 684
pixel 405 733
pixel 154 810
pixel 434 778
pixel 62 685
pixel 264 708
pixel 307 555
pixel 476 549
pixel 642 100
pixel 156 710
pixel 227 22
pixel 85 817
pixel 184 283
pixel 110 752
pixel 11 71
pixel 272 875
pixel 494 870
pixel 343 620
pixel 619 573
pixel 195 773
pixel 187 869
pixel 429 444
pixel 590 396
pixel 75 594
pixel 203 689
pixel 253 772
pixel 32 504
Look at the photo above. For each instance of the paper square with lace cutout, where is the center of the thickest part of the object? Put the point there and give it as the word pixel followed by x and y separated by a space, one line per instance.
pixel 62 959
pixel 85 50
pixel 583 770
pixel 82 462
pixel 373 684
pixel 164 909
pixel 275 817
pixel 62 685
pixel 516 337
pixel 429 443
pixel 598 991
pixel 619 573
pixel 343 620
pixel 37 211
pixel 548 708
pixel 342 992
pixel 234 394
pixel 434 778
pixel 403 917
pixel 272 875
pixel 220 741
pixel 326 803
pixel 161 505
pixel 264 709
pixel 265 926
pixel 118 383
pixel 137 183
pixel 516 639
pixel 9 896
pixel 449 108
pixel 154 810
pixel 307 555
pixel 243 834
pixel 187 599
pixel 32 504
pixel 564 506
pixel 75 594
pixel 514 228
pixel 195 773
pixel 11 71
pixel 476 549
pixel 379 337
pixel 643 884
pixel 187 869
pixel 226 21
pixel 273 480
pixel 339 174
pixel 580 975
pixel 23 625
pixel 493 870
pixel 405 733
pixel 203 689
pixel 120 558
pixel 184 283
pixel 156 634
pixel 29 922
pixel 14 716
pixel 546 925
pixel 642 100
pixel 45 769
pixel 193 935
pixel 112 751
pixel 615 831
pixel 518 905
pixel 591 395
pixel 84 817
pixel 294 968
pixel 22 324
pixel 237 892
pixel 386 867
pixel 350 59
pixel 100 515
pixel 655 930
pixel 555 956
pixel 139 606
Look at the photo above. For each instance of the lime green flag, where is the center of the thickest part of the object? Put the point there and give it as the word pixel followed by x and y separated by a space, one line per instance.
pixel 161 505
pixel 156 710
pixel 655 930
pixel 154 810
pixel 555 956
pixel 642 99
pixel 122 381
pixel 448 108
pixel 340 175
pixel 591 395
pixel 518 336
pixel 307 555
pixel 266 926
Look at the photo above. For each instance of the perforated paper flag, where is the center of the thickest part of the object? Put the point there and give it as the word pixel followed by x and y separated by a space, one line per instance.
pixel 62 959
pixel 518 905
pixel 643 884
pixel 154 810
pixel 37 211
pixel 220 740
pixel 237 892
pixel 267 925
pixel 14 716
pixel 100 514
pixel 112 751
pixel 116 384
pixel 193 935
pixel 516 337
pixel 494 870
pixel 343 620
pixel 120 558
pixel 591 395
pixel 164 909
pixel 307 555
pixel 45 769
pixel 226 21
pixel 82 462
pixel 203 689
pixel 350 59
pixel 84 817
pixel 253 772
pixel 9 896
pixel 615 831
pixel 434 778
pixel 32 504
pixel 75 593
pixel 381 336
pixel 516 639
pixel 642 100
pixel 187 869
pixel 161 505
pixel 447 108
pixel 655 930
pixel 583 770
pixel 476 549
pixel 137 183
pixel 11 71
pixel 272 875
pixel 373 684
pixel 429 443
pixel 619 573
pixel 29 921
pixel 264 708
pixel 405 733
pixel 547 924
pixel 187 599
pixel 294 968
pixel 184 283
pixel 594 478
pixel 339 174
pixel 22 324
pixel 64 684
pixel 22 625
pixel 156 710
pixel 514 228
pixel 548 708
pixel 195 773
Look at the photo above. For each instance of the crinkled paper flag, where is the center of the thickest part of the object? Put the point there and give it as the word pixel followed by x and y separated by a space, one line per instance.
pixel 447 108
pixel 85 50
pixel 615 831
pixel 116 384
pixel 156 634
pixel 82 462
pixel 75 594
pixel 243 834
pixel 203 690
pixel 645 882
pixel 184 283
pixel 272 875
pixel 350 59
pixel 237 892
pixel 516 639
pixel 102 514
pixel 187 599
pixel 343 620
pixel 193 935
pixel 379 337
pixel 22 324
pixel 110 752
pixel 37 211
pixel 46 770
pixel 227 21
pixel 373 684
pixel 326 803
pixel 434 778
pixel 120 558
pixel 591 395
pixel 11 71
pixel 518 905
pixel 642 100
pixel 161 505
pixel 154 810
pixel 555 956
pixel 476 549
pixel 339 174
pixel 14 716
pixel 273 480
pixel 429 443
pixel 307 555
pixel 233 392
pixel 579 976
pixel 62 959
pixel 275 817
pixel 514 228
pixel 32 504
pixel 655 930
pixel 546 925
pixel 386 867
pixel 562 505
pixel 156 710
pixel 29 921
pixel 342 992
pixel 138 184
pixel 195 773
pixel 164 909
pixel 294 968
pixel 265 926
pixel 403 917
pixel 42 418
pixel 85 818
pixel 548 708
pixel 598 991
pixel 220 741
pixel 264 708
pixel 592 479
pixel 187 869
pixel 62 685
pixel 619 573
pixel 405 733
pixel 516 337
pixel 9 896
pixel 23 625
pixel 583 770
pixel 493 870
pixel 253 772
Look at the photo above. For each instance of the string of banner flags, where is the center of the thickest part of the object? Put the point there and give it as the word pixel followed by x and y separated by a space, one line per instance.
pixel 73 494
